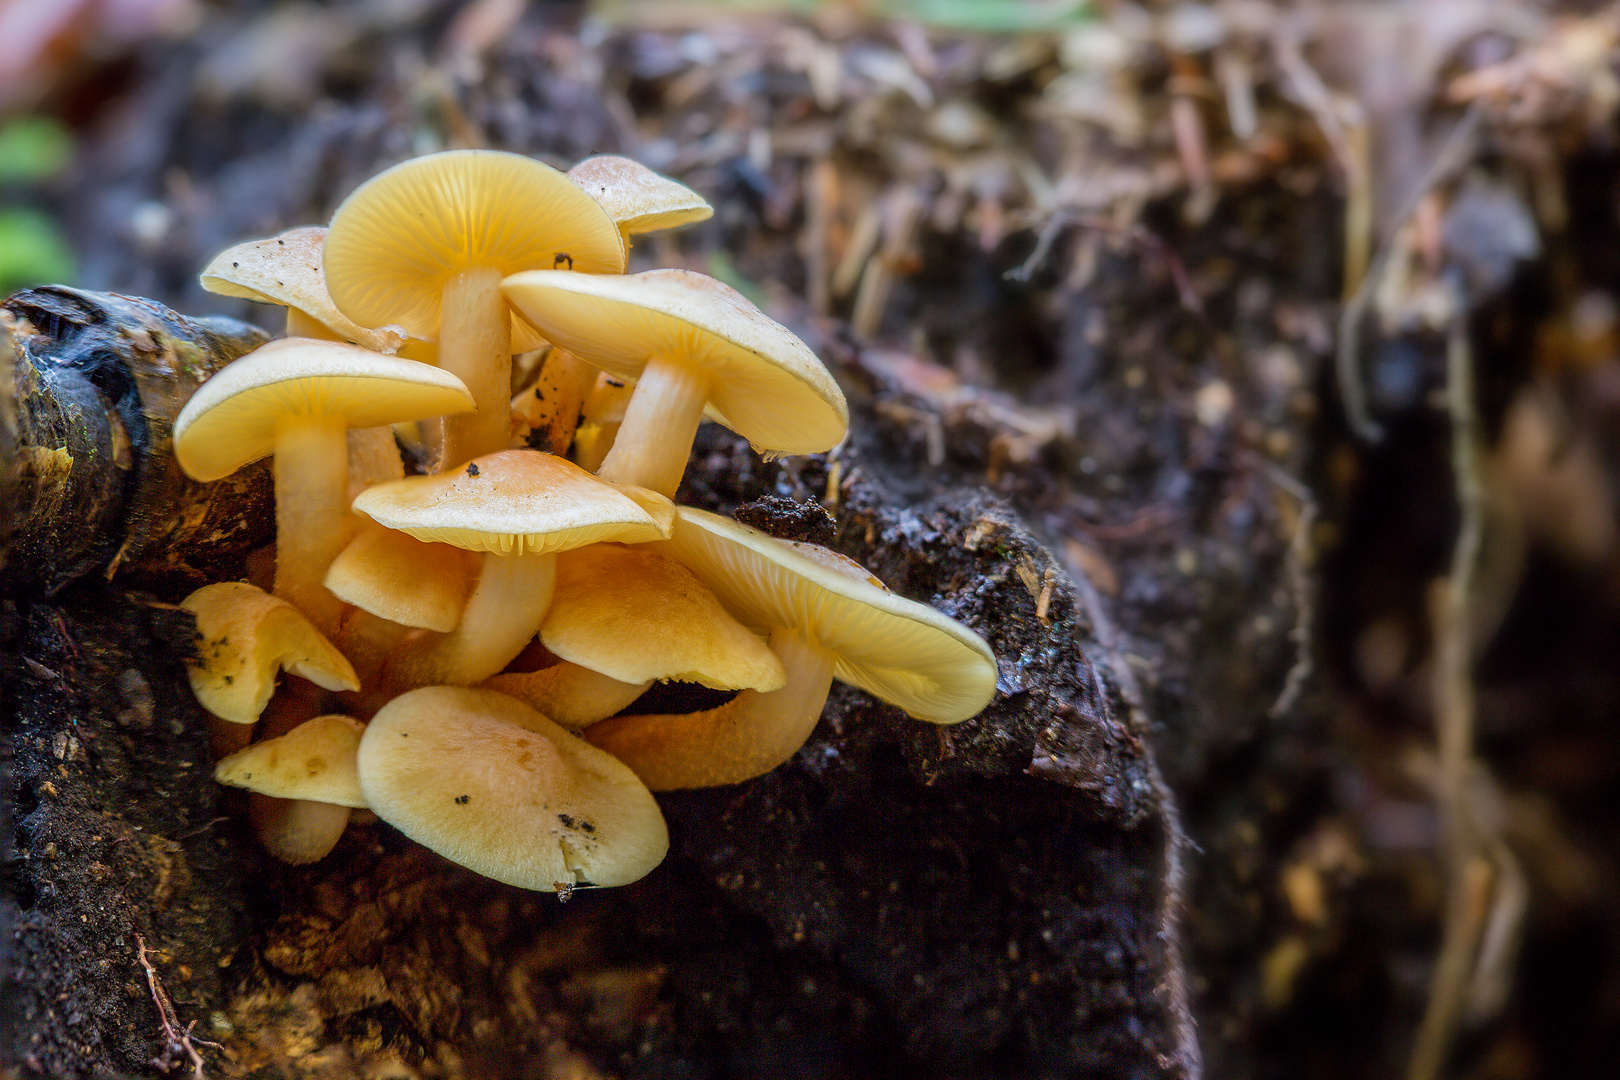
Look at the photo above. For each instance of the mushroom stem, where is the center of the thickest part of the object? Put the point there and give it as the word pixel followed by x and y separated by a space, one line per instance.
pixel 746 737
pixel 302 324
pixel 569 694
pixel 312 513
pixel 502 615
pixel 297 831
pixel 659 425
pixel 558 397
pixel 475 344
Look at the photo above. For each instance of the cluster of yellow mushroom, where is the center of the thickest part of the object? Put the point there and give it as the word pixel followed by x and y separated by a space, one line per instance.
pixel 467 642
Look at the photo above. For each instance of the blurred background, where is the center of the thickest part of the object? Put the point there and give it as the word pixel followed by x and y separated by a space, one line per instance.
pixel 1291 328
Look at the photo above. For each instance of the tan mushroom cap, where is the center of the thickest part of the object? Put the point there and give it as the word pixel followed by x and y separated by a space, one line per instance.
pixel 492 785
pixel 401 235
pixel 635 615
pixel 904 652
pixel 315 760
pixel 286 270
pixel 765 384
pixel 402 579
pixel 245 637
pixel 636 198
pixel 232 419
pixel 510 502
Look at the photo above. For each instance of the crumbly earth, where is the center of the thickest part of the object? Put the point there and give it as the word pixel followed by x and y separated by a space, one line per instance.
pixel 899 897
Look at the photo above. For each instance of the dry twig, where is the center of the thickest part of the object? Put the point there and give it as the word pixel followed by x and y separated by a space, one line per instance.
pixel 1467 870
pixel 179 1047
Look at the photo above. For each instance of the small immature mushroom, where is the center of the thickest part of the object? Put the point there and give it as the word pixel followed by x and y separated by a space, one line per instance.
pixel 425 245
pixel 622 617
pixel 519 507
pixel 828 618
pixel 689 343
pixel 244 638
pixel 296 398
pixel 304 783
pixel 492 785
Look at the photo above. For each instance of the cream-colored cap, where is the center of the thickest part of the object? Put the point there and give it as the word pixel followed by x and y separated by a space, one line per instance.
pixel 489 783
pixel 232 418
pixel 764 383
pixel 904 652
pixel 401 235
pixel 635 615
pixel 636 198
pixel 315 760
pixel 510 502
pixel 402 579
pixel 245 636
pixel 286 270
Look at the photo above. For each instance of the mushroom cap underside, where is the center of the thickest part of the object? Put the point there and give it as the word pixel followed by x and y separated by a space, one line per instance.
pixel 397 238
pixel 233 418
pixel 764 383
pixel 904 652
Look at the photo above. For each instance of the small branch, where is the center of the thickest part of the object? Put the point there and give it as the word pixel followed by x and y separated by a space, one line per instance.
pixel 179 1047
pixel 1187 1061
pixel 1466 869
pixel 1136 233
pixel 1301 553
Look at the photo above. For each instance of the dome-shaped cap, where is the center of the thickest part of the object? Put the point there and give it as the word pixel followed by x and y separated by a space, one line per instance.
pixel 636 198
pixel 635 615
pixel 231 420
pixel 399 236
pixel 510 502
pixel 244 637
pixel 904 652
pixel 286 270
pixel 489 783
pixel 315 760
pixel 765 384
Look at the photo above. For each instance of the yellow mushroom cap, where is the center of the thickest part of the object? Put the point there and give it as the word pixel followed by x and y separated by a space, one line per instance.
pixel 765 384
pixel 315 760
pixel 492 785
pixel 401 235
pixel 636 198
pixel 636 616
pixel 232 418
pixel 904 652
pixel 402 579
pixel 510 502
pixel 286 270
pixel 246 636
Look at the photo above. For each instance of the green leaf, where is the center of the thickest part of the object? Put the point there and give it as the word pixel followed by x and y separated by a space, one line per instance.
pixel 33 148
pixel 32 251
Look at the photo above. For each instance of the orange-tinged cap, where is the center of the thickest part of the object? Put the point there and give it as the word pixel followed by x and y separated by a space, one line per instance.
pixel 510 502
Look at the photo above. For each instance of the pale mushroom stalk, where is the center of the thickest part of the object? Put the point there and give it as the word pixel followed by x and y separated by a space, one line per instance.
pixel 746 737
pixel 302 324
pixel 297 831
pixel 502 615
pixel 570 694
pixel 660 423
pixel 312 511
pixel 475 344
